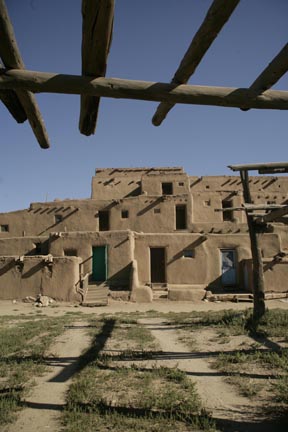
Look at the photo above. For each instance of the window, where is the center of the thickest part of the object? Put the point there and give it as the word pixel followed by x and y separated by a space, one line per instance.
pixel 4 228
pixel 124 214
pixel 227 215
pixel 181 219
pixel 104 224
pixel 58 218
pixel 157 210
pixel 181 184
pixel 70 252
pixel 167 188
pixel 207 203
pixel 188 253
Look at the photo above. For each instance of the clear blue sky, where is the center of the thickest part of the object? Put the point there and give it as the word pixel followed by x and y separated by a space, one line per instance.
pixel 150 38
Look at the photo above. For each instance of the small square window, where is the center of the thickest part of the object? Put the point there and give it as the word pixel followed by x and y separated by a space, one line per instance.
pixel 58 218
pixel 124 214
pixel 157 210
pixel 167 188
pixel 181 184
pixel 207 203
pixel 189 253
pixel 4 228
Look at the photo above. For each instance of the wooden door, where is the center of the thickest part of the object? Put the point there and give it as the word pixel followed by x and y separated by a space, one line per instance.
pixel 99 263
pixel 158 265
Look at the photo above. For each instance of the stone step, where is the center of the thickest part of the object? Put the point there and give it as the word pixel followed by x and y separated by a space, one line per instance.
pixel 160 294
pixel 96 295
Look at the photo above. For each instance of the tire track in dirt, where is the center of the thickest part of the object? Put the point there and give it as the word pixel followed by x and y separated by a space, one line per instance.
pixel 218 397
pixel 46 399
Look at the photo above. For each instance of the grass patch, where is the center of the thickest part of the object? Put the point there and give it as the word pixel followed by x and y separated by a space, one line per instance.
pixel 23 343
pixel 125 391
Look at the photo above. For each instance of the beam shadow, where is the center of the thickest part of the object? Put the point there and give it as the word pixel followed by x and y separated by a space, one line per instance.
pixel 90 355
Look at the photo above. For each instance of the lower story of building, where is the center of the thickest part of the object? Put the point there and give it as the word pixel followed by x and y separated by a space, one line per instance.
pixel 136 266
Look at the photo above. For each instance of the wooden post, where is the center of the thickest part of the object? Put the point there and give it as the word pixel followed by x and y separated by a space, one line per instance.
pixel 97 29
pixel 11 58
pixel 141 90
pixel 258 275
pixel 217 15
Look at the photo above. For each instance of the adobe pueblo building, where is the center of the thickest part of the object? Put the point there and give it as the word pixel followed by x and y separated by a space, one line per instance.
pixel 145 233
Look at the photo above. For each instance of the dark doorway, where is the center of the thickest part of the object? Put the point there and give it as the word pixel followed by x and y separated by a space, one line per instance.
pixel 99 263
pixel 181 218
pixel 104 224
pixel 158 265
pixel 227 215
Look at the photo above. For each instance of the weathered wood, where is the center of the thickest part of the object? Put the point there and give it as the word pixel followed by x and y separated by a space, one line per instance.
pixel 258 274
pixel 142 90
pixel 12 103
pixel 97 30
pixel 273 215
pixel 272 73
pixel 217 15
pixel 11 58
pixel 259 166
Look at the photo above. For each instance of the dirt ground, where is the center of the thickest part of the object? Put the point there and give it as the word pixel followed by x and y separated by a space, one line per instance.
pixel 47 398
pixel 7 307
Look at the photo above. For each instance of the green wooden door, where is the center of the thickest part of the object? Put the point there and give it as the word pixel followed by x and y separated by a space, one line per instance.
pixel 99 263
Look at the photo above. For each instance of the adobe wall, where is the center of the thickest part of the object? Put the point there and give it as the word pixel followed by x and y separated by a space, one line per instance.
pixel 152 183
pixel 204 268
pixel 23 246
pixel 33 277
pixel 275 275
pixel 119 251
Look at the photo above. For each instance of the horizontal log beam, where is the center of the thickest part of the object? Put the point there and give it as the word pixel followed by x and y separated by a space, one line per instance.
pixel 217 15
pixel 142 90
pixel 259 166
pixel 11 58
pixel 97 27
pixel 273 215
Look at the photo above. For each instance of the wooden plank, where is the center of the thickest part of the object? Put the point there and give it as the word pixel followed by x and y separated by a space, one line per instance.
pixel 11 58
pixel 97 30
pixel 141 90
pixel 273 215
pixel 272 73
pixel 217 15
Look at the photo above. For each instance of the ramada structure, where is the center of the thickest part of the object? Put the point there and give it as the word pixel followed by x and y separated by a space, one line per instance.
pixel 145 233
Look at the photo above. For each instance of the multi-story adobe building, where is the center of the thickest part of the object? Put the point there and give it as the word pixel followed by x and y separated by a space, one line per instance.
pixel 144 231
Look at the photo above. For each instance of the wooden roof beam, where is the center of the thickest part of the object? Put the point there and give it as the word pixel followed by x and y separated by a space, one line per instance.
pixel 217 15
pixel 97 30
pixel 271 74
pixel 11 58
pixel 141 90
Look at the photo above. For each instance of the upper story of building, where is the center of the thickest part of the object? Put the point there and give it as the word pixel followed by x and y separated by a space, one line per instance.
pixel 149 200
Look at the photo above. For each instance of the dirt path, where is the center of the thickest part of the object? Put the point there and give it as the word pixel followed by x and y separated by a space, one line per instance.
pixel 47 399
pixel 226 406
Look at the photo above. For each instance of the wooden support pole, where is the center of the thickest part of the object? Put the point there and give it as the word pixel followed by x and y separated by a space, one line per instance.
pixel 11 58
pixel 142 90
pixel 217 15
pixel 258 274
pixel 272 73
pixel 97 30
